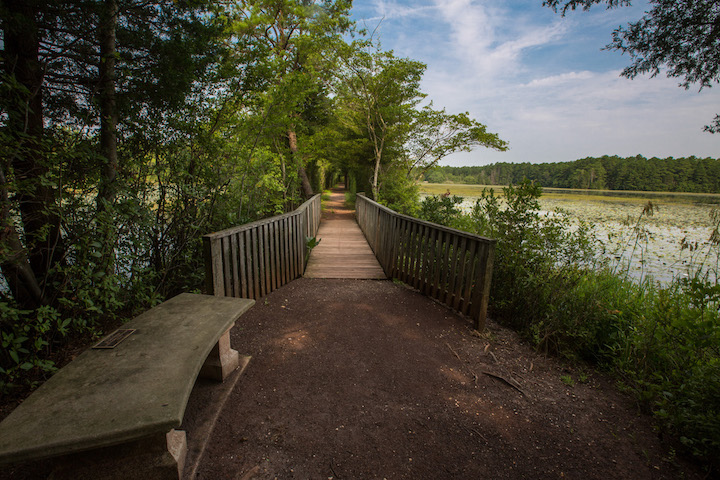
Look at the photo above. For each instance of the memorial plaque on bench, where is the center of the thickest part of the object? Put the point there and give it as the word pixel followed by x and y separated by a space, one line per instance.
pixel 114 339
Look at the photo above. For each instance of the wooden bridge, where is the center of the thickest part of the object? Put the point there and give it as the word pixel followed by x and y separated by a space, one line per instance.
pixel 373 242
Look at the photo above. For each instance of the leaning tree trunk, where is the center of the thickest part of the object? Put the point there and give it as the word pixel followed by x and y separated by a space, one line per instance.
pixel 292 141
pixel 14 262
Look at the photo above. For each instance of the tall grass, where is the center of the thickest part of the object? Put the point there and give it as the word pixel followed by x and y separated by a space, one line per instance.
pixel 661 341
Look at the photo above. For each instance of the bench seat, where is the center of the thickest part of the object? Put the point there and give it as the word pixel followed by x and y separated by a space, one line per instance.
pixel 136 390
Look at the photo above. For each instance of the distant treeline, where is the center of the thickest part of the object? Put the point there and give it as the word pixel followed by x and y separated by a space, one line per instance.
pixel 701 175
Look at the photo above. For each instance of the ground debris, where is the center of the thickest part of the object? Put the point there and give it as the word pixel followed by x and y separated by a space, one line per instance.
pixel 508 380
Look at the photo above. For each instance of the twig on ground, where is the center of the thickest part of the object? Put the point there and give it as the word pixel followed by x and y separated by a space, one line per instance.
pixel 476 432
pixel 335 475
pixel 453 351
pixel 510 382
pixel 475 377
pixel 250 473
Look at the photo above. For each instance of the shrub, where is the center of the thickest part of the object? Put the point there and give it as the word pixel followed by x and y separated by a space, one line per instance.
pixel 444 210
pixel 536 256
pixel 397 192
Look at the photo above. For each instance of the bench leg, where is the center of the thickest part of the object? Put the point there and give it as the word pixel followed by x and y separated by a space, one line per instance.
pixel 158 457
pixel 222 360
pixel 177 448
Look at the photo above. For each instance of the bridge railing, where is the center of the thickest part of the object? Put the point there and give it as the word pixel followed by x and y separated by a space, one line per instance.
pixel 254 259
pixel 449 265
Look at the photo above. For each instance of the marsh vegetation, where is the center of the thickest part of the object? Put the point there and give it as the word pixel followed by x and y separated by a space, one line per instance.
pixel 671 241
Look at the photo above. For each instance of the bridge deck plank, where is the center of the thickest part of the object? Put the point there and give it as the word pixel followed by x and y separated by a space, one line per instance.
pixel 343 251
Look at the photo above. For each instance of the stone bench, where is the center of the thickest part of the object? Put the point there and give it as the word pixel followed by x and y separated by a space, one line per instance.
pixel 113 412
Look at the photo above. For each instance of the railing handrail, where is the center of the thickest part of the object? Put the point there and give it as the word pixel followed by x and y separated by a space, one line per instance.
pixel 447 264
pixel 264 221
pixel 253 259
pixel 425 222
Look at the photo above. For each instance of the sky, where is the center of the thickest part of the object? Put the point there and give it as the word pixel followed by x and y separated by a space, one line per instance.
pixel 541 81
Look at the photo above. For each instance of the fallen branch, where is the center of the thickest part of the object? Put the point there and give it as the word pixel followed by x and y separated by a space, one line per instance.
pixel 510 381
pixel 475 377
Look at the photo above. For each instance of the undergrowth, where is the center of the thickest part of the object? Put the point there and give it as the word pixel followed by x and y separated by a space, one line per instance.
pixel 350 200
pixel 662 342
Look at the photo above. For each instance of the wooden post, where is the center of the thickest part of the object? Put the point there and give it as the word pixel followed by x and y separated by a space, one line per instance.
pixel 301 241
pixel 213 266
pixel 207 254
pixel 482 287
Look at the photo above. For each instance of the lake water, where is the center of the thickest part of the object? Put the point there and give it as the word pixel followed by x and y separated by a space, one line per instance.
pixel 657 250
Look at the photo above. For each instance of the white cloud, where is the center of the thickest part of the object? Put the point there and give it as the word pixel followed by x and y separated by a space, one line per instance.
pixel 562 78
pixel 392 10
pixel 603 114
pixel 488 40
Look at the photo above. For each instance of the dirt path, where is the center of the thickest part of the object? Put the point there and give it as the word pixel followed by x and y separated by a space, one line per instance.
pixel 367 379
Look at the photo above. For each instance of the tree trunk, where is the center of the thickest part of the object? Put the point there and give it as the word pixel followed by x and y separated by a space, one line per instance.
pixel 108 110
pixel 14 262
pixel 378 159
pixel 36 197
pixel 376 174
pixel 292 141
pixel 107 190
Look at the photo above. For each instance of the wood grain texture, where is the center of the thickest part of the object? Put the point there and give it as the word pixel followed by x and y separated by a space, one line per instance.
pixel 255 259
pixel 452 266
pixel 343 251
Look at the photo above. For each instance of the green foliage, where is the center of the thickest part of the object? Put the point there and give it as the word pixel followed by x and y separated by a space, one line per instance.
pixel 671 361
pixel 350 200
pixel 24 340
pixel 444 210
pixel 528 242
pixel 201 109
pixel 312 242
pixel 378 97
pixel 398 192
pixel 437 134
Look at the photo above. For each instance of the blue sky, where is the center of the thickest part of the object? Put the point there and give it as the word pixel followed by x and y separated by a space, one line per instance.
pixel 541 81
